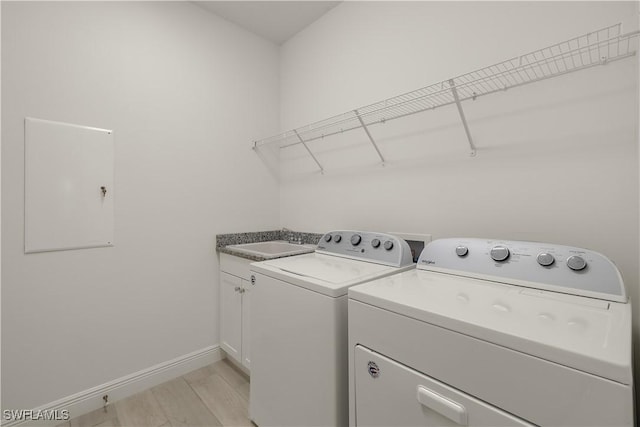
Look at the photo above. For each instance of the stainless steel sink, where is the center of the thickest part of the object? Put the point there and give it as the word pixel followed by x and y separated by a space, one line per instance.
pixel 272 249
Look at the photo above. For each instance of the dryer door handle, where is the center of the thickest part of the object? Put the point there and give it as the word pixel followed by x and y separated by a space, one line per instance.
pixel 442 405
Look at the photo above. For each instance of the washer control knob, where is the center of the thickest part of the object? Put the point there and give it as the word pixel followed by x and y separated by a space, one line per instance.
pixel 462 251
pixel 545 259
pixel 499 253
pixel 576 263
pixel 388 245
pixel 375 243
pixel 327 237
pixel 356 239
pixel 337 238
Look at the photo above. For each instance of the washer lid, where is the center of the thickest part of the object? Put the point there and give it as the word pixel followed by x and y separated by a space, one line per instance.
pixel 587 334
pixel 327 274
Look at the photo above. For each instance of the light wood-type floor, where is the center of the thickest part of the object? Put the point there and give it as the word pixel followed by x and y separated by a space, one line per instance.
pixel 216 395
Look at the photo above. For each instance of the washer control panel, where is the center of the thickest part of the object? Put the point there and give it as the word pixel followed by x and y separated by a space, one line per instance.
pixel 545 266
pixel 369 246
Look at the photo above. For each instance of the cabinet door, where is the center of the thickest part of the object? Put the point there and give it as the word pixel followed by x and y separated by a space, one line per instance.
pixel 231 315
pixel 246 331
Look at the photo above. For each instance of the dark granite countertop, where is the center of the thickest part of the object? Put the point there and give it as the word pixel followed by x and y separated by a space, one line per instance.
pixel 225 240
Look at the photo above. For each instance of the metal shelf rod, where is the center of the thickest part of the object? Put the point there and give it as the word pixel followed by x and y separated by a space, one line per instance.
pixel 464 98
pixel 588 50
pixel 444 104
pixel 370 137
pixel 310 153
pixel 462 117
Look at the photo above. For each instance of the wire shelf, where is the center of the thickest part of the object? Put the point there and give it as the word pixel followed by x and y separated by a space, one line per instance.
pixel 595 48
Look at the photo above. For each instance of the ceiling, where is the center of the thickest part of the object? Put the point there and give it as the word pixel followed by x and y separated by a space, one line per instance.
pixel 276 21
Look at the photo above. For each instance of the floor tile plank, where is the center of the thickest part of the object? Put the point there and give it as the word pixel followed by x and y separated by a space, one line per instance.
pixel 113 422
pixel 140 410
pixel 222 400
pixel 236 378
pixel 182 405
pixel 215 395
pixel 231 374
pixel 96 417
pixel 199 374
pixel 243 391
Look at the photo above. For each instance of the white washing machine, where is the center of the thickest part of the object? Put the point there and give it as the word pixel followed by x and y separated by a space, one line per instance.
pixel 493 333
pixel 299 373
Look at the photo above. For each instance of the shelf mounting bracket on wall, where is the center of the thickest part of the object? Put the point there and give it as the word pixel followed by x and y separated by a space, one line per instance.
pixel 454 91
pixel 373 142
pixel 309 151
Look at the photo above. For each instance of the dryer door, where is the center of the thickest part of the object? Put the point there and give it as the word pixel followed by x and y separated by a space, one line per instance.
pixel 388 393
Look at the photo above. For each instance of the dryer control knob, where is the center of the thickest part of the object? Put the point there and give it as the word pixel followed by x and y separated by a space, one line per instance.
pixel 375 243
pixel 337 238
pixel 545 259
pixel 356 239
pixel 499 253
pixel 327 237
pixel 576 263
pixel 388 245
pixel 462 251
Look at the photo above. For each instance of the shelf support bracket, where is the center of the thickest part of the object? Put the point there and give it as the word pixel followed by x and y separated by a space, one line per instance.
pixel 309 151
pixel 452 85
pixel 366 129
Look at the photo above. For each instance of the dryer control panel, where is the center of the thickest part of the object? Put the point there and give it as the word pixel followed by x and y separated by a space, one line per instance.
pixel 544 266
pixel 368 246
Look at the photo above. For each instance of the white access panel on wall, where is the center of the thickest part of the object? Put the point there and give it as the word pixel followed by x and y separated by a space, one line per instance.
pixel 68 186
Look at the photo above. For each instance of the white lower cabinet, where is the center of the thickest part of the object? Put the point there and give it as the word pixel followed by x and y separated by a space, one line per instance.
pixel 235 292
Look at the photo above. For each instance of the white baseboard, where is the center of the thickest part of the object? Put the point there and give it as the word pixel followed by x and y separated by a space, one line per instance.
pixel 91 399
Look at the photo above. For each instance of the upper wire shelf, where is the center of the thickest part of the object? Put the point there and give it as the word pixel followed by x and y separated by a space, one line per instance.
pixel 595 48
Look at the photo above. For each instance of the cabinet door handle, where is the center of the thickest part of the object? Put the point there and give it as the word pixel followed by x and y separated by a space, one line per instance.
pixel 237 289
pixel 242 290
pixel 442 405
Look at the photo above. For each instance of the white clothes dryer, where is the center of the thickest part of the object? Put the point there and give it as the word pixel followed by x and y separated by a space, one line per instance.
pixel 299 373
pixel 493 333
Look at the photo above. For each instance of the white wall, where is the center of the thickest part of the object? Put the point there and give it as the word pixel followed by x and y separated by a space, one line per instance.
pixel 185 93
pixel 557 160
